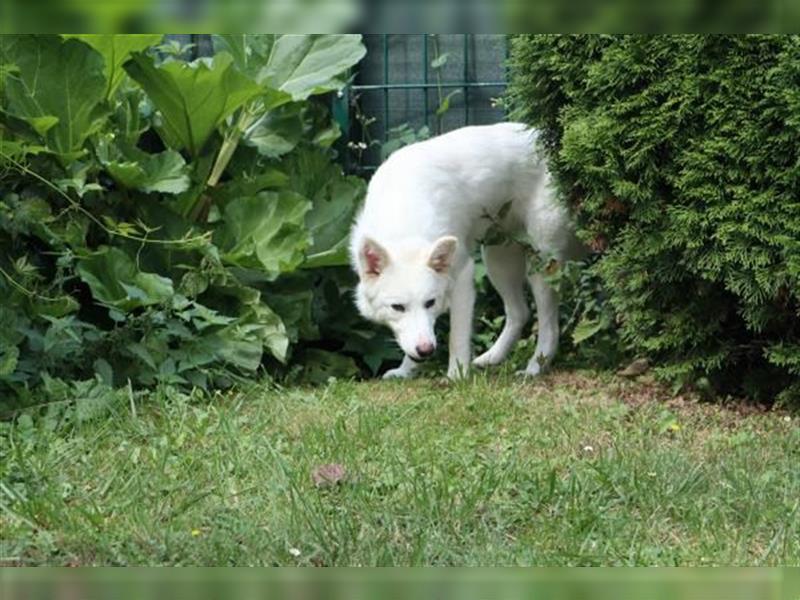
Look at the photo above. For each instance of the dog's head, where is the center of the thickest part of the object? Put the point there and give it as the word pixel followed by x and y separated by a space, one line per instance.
pixel 407 290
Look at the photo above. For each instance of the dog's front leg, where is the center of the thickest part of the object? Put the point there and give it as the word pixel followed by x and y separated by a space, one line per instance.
pixel 404 371
pixel 462 305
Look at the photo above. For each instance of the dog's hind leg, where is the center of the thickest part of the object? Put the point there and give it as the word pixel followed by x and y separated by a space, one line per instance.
pixel 505 266
pixel 547 316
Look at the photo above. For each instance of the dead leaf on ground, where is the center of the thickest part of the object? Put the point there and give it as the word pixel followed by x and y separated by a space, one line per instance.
pixel 328 475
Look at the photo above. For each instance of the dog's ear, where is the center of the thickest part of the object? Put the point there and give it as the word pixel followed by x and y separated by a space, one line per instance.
pixel 442 253
pixel 374 258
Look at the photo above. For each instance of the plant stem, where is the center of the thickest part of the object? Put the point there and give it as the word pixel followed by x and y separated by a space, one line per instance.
pixel 229 144
pixel 231 141
pixel 438 83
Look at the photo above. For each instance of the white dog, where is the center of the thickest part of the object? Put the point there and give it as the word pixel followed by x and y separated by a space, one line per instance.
pixel 412 244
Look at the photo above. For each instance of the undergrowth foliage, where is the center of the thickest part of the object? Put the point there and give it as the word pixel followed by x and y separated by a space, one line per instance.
pixel 173 221
pixel 679 157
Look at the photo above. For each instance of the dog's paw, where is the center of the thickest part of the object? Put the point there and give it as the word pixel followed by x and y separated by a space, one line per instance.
pixel 398 373
pixel 457 372
pixel 535 370
pixel 528 373
pixel 536 367
pixel 487 359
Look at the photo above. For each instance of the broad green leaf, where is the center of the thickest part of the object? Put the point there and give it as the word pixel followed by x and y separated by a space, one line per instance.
pixel 265 232
pixel 33 216
pixel 330 218
pixel 8 359
pixel 10 149
pixel 6 68
pixel 329 223
pixel 59 89
pixel 134 169
pixel 326 137
pixel 278 132
pixel 247 185
pixel 293 298
pixel 78 173
pixel 236 346
pixel 235 44
pixel 116 49
pixel 372 346
pixel 270 143
pixel 257 320
pixel 54 307
pixel 116 281
pixel 334 198
pixel 303 65
pixel 250 52
pixel 78 185
pixel 104 371
pixel 42 125
pixel 261 326
pixel 587 328
pixel 194 98
pixel 164 172
pixel 131 116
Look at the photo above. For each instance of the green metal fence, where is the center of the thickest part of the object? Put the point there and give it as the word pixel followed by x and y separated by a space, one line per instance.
pixel 407 78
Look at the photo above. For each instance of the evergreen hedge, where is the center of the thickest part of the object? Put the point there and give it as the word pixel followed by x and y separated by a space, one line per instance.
pixel 681 158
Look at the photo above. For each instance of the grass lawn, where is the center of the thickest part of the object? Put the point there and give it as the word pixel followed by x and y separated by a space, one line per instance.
pixel 576 468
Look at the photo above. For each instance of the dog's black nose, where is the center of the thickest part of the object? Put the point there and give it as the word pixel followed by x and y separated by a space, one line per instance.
pixel 424 350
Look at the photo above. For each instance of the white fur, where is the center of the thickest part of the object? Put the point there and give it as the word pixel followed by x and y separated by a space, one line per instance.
pixel 402 248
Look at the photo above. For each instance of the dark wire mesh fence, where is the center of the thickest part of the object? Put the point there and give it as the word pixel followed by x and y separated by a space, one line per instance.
pixel 410 85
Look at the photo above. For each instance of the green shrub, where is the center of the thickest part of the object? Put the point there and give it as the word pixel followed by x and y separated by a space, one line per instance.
pixel 168 221
pixel 679 157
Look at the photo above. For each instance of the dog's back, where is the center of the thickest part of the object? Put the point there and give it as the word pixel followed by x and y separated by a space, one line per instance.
pixel 446 185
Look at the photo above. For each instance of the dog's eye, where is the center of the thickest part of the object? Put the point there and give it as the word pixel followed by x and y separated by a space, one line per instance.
pixel 399 307
pixel 430 303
